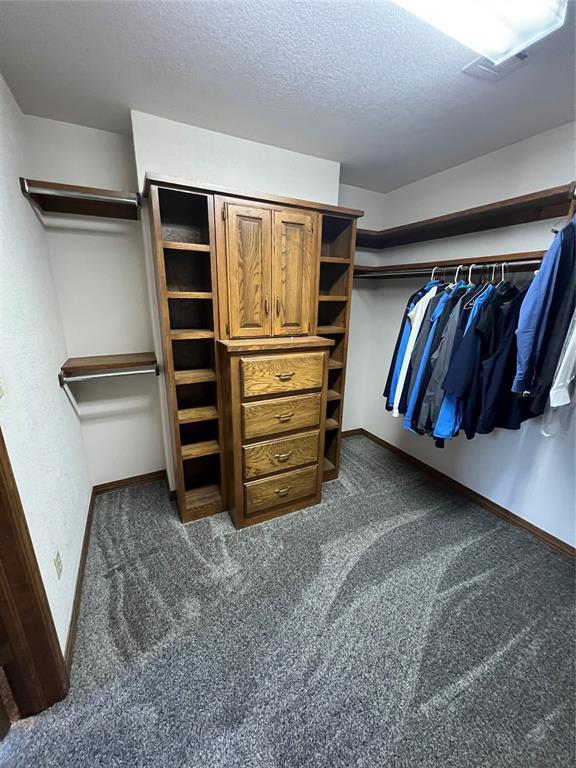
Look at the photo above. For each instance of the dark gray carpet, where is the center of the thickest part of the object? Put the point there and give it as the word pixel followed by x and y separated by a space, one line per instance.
pixel 394 625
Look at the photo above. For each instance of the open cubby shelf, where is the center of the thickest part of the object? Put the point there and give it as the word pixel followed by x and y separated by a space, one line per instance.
pixel 196 395
pixel 172 245
pixel 196 376
pixel 332 314
pixel 188 354
pixel 328 465
pixel 334 293
pixel 203 496
pixel 190 314
pixel 187 334
pixel 186 272
pixel 198 432
pixel 201 471
pixel 196 450
pixel 334 280
pixel 185 254
pixel 337 236
pixel 197 413
pixel 184 217
pixel 203 295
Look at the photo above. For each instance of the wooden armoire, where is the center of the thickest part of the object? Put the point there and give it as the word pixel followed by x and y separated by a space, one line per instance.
pixel 254 297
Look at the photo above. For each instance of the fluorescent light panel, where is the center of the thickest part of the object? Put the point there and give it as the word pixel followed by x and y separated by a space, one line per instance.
pixel 497 29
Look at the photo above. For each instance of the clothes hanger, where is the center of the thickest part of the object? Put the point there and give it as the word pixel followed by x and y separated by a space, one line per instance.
pixel 470 268
pixel 482 288
pixel 432 275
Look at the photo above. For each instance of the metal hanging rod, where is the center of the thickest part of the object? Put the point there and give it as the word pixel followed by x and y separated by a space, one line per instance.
pixel 65 381
pixel 420 270
pixel 32 189
pixel 107 374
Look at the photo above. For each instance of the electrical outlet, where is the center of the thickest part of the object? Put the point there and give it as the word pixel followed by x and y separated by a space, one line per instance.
pixel 58 564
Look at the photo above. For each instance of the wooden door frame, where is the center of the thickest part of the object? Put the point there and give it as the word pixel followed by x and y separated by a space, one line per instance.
pixel 30 652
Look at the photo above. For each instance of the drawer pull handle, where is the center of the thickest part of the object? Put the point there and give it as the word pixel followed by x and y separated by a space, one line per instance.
pixel 282 491
pixel 277 306
pixel 283 456
pixel 284 416
pixel 266 305
pixel 285 376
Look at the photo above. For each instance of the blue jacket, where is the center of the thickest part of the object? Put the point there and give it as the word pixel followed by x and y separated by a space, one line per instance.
pixel 534 315
pixel 450 416
pixel 424 359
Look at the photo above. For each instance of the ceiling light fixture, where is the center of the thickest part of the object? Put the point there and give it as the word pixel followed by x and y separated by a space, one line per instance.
pixel 497 29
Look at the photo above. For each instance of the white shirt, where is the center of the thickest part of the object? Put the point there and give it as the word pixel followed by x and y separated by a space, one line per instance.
pixel 566 370
pixel 416 316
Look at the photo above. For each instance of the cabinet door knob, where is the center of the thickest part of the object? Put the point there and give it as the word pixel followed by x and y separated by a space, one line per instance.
pixel 285 376
pixel 282 491
pixel 266 305
pixel 284 416
pixel 283 456
pixel 277 306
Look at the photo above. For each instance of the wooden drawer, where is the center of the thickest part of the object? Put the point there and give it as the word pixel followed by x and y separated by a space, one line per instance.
pixel 280 489
pixel 285 414
pixel 274 455
pixel 281 373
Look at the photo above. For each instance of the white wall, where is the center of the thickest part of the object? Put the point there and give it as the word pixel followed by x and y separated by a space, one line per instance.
pixel 42 433
pixel 100 276
pixel 529 474
pixel 206 157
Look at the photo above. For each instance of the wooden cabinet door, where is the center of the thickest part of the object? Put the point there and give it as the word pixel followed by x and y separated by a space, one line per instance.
pixel 249 256
pixel 293 271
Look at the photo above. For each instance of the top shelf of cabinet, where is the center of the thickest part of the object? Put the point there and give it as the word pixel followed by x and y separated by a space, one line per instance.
pixel 537 206
pixel 81 201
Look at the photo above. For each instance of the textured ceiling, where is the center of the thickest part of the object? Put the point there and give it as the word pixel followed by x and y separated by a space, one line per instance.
pixel 359 81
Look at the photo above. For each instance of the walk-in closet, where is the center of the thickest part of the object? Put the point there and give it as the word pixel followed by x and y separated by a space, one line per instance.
pixel 287 384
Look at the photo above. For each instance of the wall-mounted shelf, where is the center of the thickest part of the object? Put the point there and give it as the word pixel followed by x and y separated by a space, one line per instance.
pixel 77 369
pixel 513 261
pixel 100 366
pixel 82 201
pixel 537 206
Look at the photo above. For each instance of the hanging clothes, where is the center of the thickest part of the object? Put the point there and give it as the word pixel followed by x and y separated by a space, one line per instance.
pixel 416 316
pixel 463 350
pixel 458 379
pixel 536 309
pixel 560 393
pixel 500 407
pixel 559 411
pixel 401 345
pixel 439 362
pixel 438 320
pixel 562 305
